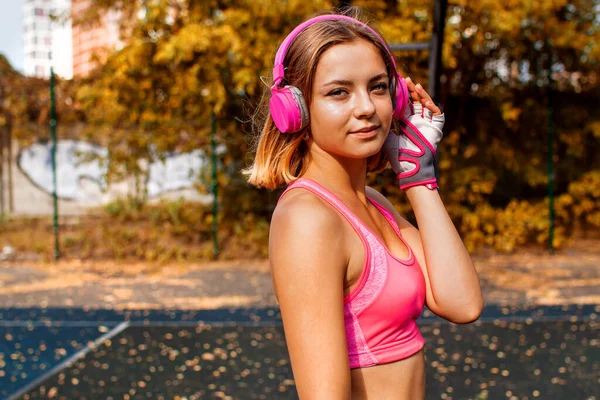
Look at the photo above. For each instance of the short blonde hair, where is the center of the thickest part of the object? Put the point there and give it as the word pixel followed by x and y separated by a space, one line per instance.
pixel 283 157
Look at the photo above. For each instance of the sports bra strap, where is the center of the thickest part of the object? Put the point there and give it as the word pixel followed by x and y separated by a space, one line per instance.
pixel 388 215
pixel 326 195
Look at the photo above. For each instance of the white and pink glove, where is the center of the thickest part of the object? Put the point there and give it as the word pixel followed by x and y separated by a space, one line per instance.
pixel 412 153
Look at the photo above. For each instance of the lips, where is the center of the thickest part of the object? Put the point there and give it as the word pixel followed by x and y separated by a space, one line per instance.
pixel 366 130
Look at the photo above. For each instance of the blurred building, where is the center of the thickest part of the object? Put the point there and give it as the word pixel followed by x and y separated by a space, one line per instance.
pixel 92 43
pixel 37 37
pixel 46 42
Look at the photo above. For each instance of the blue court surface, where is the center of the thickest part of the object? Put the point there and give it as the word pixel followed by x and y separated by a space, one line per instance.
pixel 68 353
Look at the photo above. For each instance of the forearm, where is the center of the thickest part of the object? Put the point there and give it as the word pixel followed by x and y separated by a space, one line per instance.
pixel 452 275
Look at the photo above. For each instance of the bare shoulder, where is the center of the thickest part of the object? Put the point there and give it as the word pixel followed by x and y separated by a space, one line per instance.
pixel 300 212
pixel 304 230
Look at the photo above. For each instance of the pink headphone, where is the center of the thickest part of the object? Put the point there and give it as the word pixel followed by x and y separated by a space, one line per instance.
pixel 287 106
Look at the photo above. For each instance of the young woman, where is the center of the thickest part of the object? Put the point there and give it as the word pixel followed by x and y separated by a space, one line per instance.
pixel 351 275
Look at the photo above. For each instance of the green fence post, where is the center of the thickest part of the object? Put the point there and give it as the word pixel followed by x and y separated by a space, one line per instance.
pixel 215 185
pixel 53 160
pixel 550 175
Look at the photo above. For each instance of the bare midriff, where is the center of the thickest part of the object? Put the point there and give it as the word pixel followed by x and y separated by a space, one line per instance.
pixel 400 380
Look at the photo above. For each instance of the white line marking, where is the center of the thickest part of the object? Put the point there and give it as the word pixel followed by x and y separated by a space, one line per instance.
pixel 69 361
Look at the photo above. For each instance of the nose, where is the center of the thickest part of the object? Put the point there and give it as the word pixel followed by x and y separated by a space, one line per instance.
pixel 364 106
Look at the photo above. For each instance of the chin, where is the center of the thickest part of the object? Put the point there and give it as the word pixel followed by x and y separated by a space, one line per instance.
pixel 376 145
pixel 370 150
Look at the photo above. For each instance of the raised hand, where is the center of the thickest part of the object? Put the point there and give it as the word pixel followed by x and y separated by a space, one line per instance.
pixel 412 153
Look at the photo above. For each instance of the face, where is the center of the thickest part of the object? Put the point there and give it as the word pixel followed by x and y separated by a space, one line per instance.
pixel 351 106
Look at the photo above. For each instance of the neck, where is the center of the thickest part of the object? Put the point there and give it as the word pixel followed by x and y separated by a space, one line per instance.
pixel 343 176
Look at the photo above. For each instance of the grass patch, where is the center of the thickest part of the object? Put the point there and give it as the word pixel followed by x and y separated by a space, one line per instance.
pixel 173 231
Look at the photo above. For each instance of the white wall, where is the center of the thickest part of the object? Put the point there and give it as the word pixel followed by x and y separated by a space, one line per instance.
pixel 80 185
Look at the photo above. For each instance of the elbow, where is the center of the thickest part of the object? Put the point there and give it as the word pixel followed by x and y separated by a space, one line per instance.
pixel 469 314
pixel 468 318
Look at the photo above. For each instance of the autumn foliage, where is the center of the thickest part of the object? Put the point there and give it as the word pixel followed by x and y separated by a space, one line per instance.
pixel 513 72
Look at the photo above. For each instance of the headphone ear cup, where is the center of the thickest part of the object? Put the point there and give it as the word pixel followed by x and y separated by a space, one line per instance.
pixel 288 109
pixel 301 103
pixel 401 98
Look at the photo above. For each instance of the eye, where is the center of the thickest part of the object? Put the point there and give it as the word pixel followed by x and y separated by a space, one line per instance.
pixel 380 87
pixel 337 92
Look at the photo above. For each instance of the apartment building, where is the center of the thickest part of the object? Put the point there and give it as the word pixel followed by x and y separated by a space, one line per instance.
pixel 92 44
pixel 46 42
pixel 37 37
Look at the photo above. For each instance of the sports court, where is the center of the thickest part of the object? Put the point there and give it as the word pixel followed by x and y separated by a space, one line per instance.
pixel 550 352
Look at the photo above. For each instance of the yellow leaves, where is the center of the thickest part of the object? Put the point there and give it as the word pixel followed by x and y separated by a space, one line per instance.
pixel 470 151
pixel 569 35
pixel 587 185
pixel 582 202
pixel 145 84
pixel 594 127
pixel 522 221
pixel 510 114
pixel 452 141
pixel 191 39
pixel 195 40
pixel 219 97
pixel 445 164
pixel 166 54
pixel 534 176
pixel 506 22
pixel 484 187
pixel 477 182
pixel 148 117
pixel 505 229
pixel 593 218
pixel 243 79
pixel 240 16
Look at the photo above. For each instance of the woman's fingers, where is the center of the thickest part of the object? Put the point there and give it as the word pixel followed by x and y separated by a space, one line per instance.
pixel 423 95
pixel 432 107
pixel 412 91
pixel 418 94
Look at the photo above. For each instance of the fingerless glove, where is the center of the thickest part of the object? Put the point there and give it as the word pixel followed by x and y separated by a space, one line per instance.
pixel 412 153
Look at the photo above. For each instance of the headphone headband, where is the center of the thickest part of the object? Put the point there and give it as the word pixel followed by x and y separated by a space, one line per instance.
pixel 278 69
pixel 287 105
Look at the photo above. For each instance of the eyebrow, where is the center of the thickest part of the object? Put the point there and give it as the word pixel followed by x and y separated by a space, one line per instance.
pixel 343 82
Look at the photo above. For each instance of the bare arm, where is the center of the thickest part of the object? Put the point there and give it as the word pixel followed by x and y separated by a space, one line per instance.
pixel 306 254
pixel 453 290
pixel 453 285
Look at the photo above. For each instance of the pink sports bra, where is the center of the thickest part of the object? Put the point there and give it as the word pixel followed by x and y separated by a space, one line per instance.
pixel 380 313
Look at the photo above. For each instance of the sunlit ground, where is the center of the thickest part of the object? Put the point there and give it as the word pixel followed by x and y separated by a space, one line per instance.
pixel 77 330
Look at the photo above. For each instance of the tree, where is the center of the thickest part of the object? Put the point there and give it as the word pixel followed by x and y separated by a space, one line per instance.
pixel 183 61
pixel 186 59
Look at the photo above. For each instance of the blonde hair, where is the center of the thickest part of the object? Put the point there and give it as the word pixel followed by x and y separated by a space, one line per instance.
pixel 283 157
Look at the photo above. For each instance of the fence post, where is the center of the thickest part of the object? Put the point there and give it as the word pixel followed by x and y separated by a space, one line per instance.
pixel 550 127
pixel 550 172
pixel 11 194
pixel 2 190
pixel 215 185
pixel 437 41
pixel 53 160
